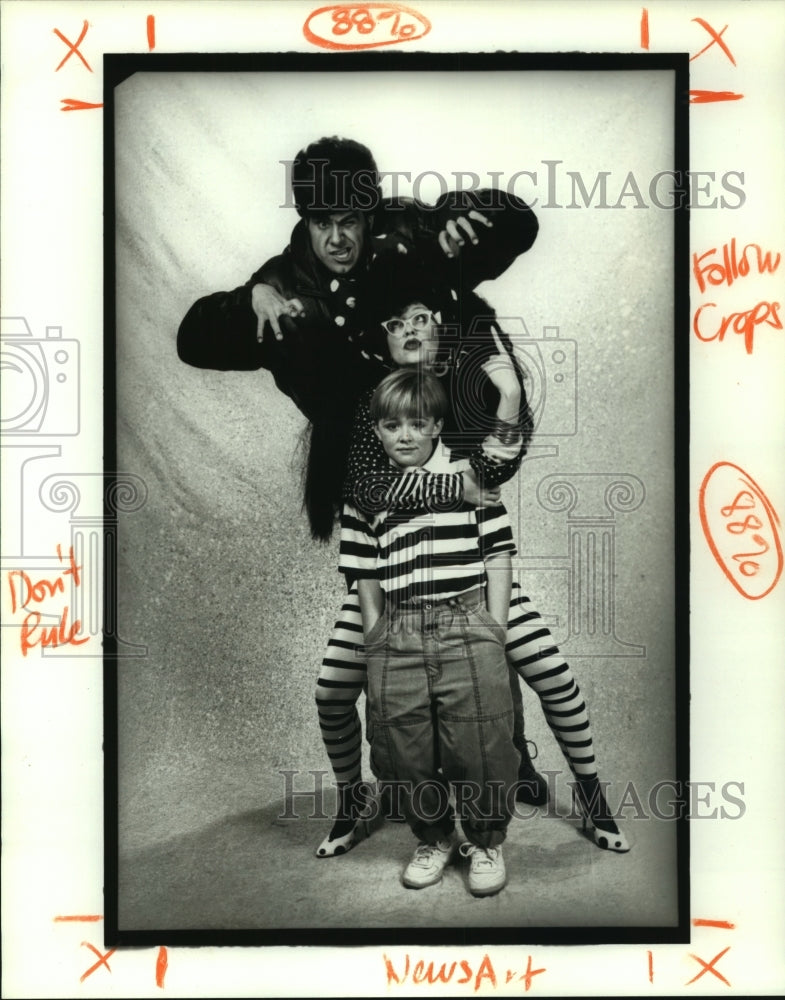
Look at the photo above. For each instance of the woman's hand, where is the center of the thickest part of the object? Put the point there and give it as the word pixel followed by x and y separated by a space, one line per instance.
pixel 501 370
pixel 455 232
pixel 269 304
pixel 477 497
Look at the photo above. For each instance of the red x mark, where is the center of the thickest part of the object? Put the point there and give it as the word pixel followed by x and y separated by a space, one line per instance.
pixel 715 37
pixel 102 960
pixel 73 47
pixel 709 967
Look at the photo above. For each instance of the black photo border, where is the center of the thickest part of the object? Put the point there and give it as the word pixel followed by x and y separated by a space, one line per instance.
pixel 117 68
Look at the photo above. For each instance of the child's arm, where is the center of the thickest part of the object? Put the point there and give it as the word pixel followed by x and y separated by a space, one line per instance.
pixel 498 570
pixel 358 547
pixel 358 554
pixel 372 486
pixel 371 602
pixel 497 548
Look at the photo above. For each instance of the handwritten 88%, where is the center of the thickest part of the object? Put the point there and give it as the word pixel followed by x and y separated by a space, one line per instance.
pixel 346 26
pixel 345 19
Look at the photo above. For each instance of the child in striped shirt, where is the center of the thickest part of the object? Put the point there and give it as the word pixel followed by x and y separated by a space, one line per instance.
pixel 434 591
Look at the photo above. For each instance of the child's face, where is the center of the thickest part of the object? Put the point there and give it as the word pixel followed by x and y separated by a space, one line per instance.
pixel 408 440
pixel 418 339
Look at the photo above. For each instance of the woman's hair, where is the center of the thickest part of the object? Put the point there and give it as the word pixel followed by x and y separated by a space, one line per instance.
pixel 409 392
pixel 396 281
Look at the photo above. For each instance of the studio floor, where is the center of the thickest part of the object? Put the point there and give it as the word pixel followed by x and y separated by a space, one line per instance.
pixel 256 870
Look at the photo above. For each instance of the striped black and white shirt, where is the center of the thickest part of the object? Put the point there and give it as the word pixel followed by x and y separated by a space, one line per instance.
pixel 423 553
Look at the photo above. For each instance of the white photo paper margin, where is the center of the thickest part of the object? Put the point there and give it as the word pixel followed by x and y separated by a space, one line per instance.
pixel 52 253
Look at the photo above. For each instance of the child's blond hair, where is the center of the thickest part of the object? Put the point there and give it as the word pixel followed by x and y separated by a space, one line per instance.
pixel 409 392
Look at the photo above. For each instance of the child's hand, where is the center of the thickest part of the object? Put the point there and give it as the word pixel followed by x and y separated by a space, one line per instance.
pixel 477 497
pixel 454 234
pixel 269 304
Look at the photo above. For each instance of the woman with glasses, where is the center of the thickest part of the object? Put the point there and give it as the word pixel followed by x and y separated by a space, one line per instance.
pixel 415 316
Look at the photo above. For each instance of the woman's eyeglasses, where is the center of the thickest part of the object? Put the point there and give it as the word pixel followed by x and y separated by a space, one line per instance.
pixel 398 327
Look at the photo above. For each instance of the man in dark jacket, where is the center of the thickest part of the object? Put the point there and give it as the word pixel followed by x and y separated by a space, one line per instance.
pixel 297 315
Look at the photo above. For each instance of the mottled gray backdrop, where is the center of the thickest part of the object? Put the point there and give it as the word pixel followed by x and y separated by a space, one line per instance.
pixel 218 576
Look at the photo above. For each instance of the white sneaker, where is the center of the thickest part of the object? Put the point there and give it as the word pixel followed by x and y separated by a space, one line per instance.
pixel 487 874
pixel 428 864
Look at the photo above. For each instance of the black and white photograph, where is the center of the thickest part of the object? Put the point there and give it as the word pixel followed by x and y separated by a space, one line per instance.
pixel 399 421
pixel 392 497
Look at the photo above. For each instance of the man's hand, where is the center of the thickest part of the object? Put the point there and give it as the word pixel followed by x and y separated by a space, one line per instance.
pixel 500 369
pixel 269 304
pixel 488 497
pixel 454 234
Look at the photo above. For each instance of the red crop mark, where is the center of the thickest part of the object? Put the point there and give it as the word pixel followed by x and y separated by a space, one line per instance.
pixel 703 922
pixel 73 47
pixel 102 960
pixel 86 918
pixel 708 96
pixel 71 104
pixel 716 38
pixel 644 28
pixel 741 527
pixel 161 965
pixel 709 967
pixel 364 26
pixel 151 32
pixel 651 966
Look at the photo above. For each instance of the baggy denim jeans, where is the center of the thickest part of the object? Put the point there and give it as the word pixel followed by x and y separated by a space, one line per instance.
pixel 439 695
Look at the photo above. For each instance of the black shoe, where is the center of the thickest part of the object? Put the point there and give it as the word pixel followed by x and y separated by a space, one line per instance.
pixel 589 796
pixel 352 800
pixel 532 788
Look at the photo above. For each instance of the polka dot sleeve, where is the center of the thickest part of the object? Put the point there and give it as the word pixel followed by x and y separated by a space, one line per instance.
pixel 373 487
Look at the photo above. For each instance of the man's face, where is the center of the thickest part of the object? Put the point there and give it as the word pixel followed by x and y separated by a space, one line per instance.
pixel 338 239
pixel 408 440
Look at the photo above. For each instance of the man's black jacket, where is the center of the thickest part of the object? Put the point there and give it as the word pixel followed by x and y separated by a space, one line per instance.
pixel 319 363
